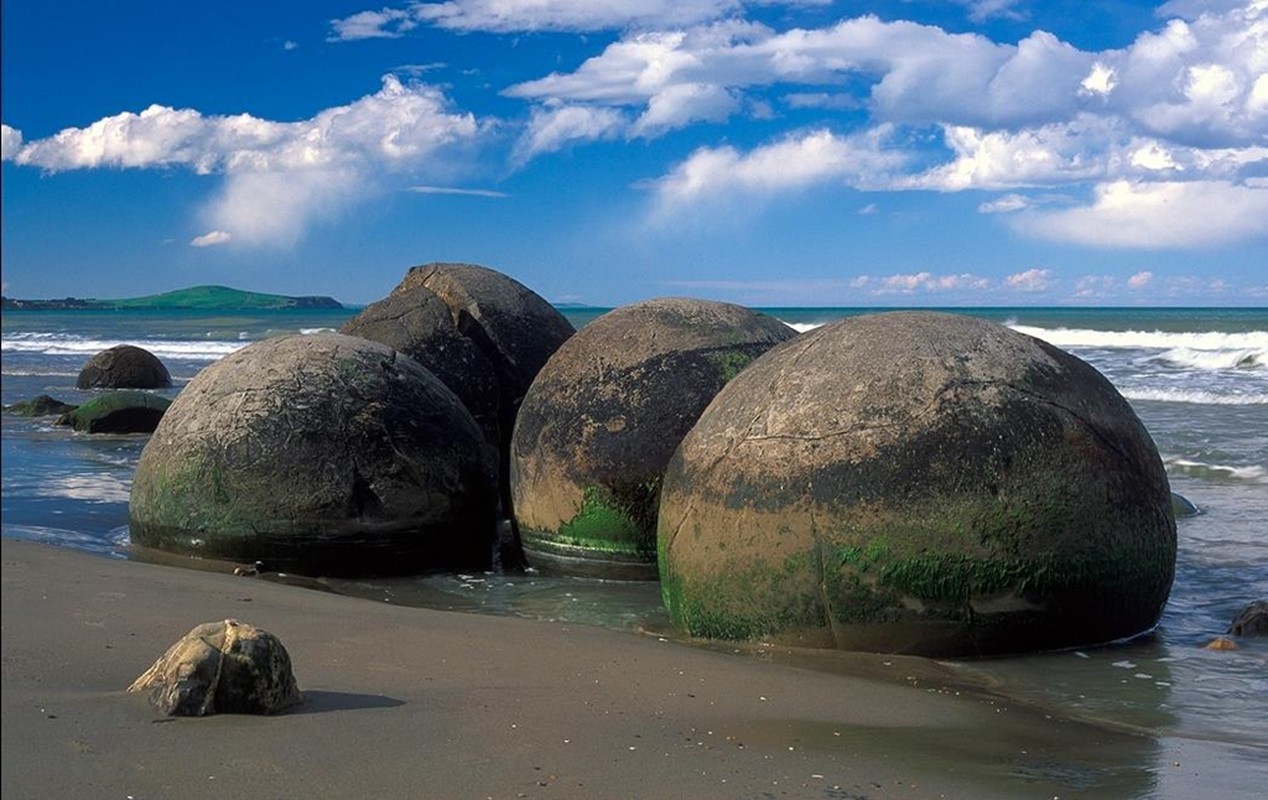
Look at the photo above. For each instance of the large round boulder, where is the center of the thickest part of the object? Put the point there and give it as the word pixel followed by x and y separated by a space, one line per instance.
pixel 603 417
pixel 321 454
pixel 482 333
pixel 920 483
pixel 124 366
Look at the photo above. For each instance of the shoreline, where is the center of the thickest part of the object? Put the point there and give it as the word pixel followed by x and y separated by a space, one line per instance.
pixel 410 702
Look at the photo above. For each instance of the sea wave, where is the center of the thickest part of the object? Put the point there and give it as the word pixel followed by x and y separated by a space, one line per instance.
pixel 61 344
pixel 1195 396
pixel 1214 359
pixel 1247 342
pixel 1251 473
pixel 802 327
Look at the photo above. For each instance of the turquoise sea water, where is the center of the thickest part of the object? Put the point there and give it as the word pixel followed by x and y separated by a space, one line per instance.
pixel 1198 379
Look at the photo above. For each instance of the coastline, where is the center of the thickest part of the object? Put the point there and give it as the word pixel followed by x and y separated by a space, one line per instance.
pixel 408 702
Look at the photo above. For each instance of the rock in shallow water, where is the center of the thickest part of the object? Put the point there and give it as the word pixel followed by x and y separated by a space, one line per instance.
pixel 922 483
pixel 40 406
pixel 323 454
pixel 1252 621
pixel 117 412
pixel 603 417
pixel 226 667
pixel 124 366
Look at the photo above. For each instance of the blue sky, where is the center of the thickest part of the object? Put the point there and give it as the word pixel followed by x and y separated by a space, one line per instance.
pixel 781 152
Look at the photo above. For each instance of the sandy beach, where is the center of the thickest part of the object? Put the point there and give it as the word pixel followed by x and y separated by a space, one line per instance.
pixel 406 702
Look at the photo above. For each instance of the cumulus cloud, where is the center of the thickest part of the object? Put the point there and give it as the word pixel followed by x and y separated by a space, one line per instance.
pixel 1032 280
pixel 10 142
pixel 1159 215
pixel 797 162
pixel 211 239
pixel 389 23
pixel 1186 101
pixel 278 176
pixel 553 128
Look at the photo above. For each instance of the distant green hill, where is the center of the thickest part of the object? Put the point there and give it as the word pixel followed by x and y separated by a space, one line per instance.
pixel 195 297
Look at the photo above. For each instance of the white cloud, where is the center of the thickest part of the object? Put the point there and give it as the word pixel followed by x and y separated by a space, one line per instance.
pixel 795 163
pixel 10 142
pixel 1032 280
pixel 553 128
pixel 389 23
pixel 211 239
pixel 289 45
pixel 1004 205
pixel 514 16
pixel 919 282
pixel 1171 215
pixel 457 191
pixel 1140 280
pixel 982 10
pixel 279 176
pixel 1100 81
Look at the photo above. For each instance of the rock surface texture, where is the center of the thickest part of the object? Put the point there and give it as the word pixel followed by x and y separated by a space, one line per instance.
pixel 603 417
pixel 226 667
pixel 117 412
pixel 322 454
pixel 482 333
pixel 124 367
pixel 918 483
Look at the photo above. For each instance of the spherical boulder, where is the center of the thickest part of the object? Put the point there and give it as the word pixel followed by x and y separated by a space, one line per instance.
pixel 603 417
pixel 321 454
pixel 117 412
pixel 482 333
pixel 226 667
pixel 124 366
pixel 919 483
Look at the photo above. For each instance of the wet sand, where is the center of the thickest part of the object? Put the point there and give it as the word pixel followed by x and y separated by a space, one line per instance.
pixel 414 703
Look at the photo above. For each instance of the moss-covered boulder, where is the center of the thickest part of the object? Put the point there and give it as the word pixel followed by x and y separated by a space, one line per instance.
pixel 124 366
pixel 117 412
pixel 322 454
pixel 920 483
pixel 603 417
pixel 482 333
pixel 40 406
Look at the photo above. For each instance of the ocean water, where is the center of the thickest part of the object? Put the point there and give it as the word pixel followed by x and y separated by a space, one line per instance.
pixel 1198 379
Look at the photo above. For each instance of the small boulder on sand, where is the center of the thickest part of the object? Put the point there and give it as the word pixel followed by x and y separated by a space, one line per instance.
pixel 226 667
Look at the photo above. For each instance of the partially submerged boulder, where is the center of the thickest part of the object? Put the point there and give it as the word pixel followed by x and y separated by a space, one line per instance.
pixel 1251 621
pixel 118 412
pixel 482 333
pixel 226 667
pixel 603 417
pixel 320 455
pixel 40 406
pixel 921 483
pixel 124 366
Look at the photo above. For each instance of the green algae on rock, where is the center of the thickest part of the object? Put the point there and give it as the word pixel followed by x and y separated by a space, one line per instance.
pixel 322 454
pixel 118 412
pixel 921 483
pixel 601 420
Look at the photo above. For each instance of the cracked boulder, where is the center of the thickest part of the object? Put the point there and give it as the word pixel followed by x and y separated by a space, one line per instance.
pixel 226 667
pixel 482 333
pixel 917 483
pixel 603 417
pixel 124 366
pixel 320 455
